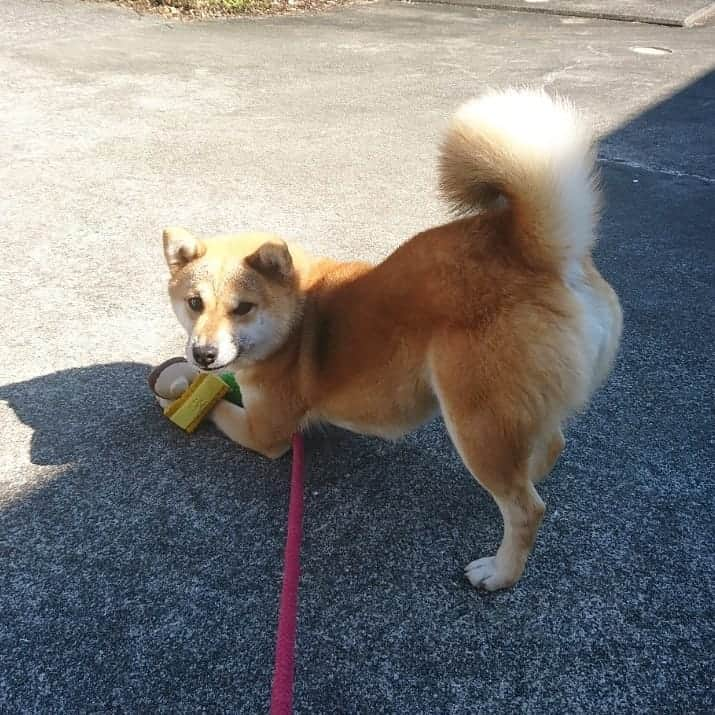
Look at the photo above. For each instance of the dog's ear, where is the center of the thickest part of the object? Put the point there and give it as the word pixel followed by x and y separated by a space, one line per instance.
pixel 272 260
pixel 180 248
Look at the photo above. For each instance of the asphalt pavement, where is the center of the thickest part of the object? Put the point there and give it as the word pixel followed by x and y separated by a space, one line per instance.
pixel 140 568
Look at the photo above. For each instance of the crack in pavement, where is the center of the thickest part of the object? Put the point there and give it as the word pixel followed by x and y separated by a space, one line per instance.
pixel 655 169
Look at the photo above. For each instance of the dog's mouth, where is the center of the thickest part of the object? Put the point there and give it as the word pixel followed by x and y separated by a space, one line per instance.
pixel 211 368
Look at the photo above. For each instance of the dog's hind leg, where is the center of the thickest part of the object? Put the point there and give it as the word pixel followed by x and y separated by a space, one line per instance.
pixel 545 455
pixel 497 451
pixel 500 468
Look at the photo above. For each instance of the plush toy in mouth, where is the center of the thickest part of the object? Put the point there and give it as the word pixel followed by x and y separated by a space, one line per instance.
pixel 189 395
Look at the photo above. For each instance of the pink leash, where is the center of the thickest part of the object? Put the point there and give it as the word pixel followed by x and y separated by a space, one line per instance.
pixel 284 667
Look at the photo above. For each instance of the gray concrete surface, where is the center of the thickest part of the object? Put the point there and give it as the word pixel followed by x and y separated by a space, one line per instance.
pixel 677 13
pixel 140 568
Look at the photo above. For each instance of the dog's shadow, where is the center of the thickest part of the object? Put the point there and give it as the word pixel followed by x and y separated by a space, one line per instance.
pixel 128 544
pixel 130 547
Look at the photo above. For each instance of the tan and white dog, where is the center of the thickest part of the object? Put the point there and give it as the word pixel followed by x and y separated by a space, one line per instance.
pixel 499 320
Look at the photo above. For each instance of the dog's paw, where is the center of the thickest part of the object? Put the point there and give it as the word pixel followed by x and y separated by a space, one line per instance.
pixel 489 574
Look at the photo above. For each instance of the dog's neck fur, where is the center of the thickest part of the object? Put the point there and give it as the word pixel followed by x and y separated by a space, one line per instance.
pixel 297 363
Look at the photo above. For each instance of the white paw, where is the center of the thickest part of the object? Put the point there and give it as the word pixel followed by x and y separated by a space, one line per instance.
pixel 488 574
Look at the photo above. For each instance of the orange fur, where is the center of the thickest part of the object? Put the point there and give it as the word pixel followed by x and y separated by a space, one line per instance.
pixel 499 319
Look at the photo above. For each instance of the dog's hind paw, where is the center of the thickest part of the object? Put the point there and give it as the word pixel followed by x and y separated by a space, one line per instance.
pixel 488 574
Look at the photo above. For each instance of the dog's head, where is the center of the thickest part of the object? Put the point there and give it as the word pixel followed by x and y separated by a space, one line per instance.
pixel 236 296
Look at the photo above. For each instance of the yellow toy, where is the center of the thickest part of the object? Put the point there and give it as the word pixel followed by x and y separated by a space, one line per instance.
pixel 189 395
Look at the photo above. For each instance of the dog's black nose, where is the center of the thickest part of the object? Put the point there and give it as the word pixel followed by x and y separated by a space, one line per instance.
pixel 204 354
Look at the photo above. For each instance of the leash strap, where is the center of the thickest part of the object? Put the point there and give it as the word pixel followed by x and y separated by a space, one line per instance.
pixel 284 667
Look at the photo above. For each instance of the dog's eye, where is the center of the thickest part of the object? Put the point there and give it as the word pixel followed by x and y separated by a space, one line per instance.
pixel 244 307
pixel 196 304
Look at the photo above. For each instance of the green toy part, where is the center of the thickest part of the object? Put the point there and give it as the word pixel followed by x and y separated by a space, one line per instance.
pixel 234 391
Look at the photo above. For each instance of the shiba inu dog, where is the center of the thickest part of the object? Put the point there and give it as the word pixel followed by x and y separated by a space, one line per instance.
pixel 498 320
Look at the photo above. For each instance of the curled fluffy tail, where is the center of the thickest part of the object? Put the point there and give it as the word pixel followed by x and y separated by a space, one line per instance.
pixel 536 153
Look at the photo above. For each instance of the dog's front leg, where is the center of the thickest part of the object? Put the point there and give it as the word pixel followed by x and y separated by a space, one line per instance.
pixel 250 430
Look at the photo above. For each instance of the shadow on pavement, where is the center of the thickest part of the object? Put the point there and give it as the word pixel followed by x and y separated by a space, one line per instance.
pixel 121 571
